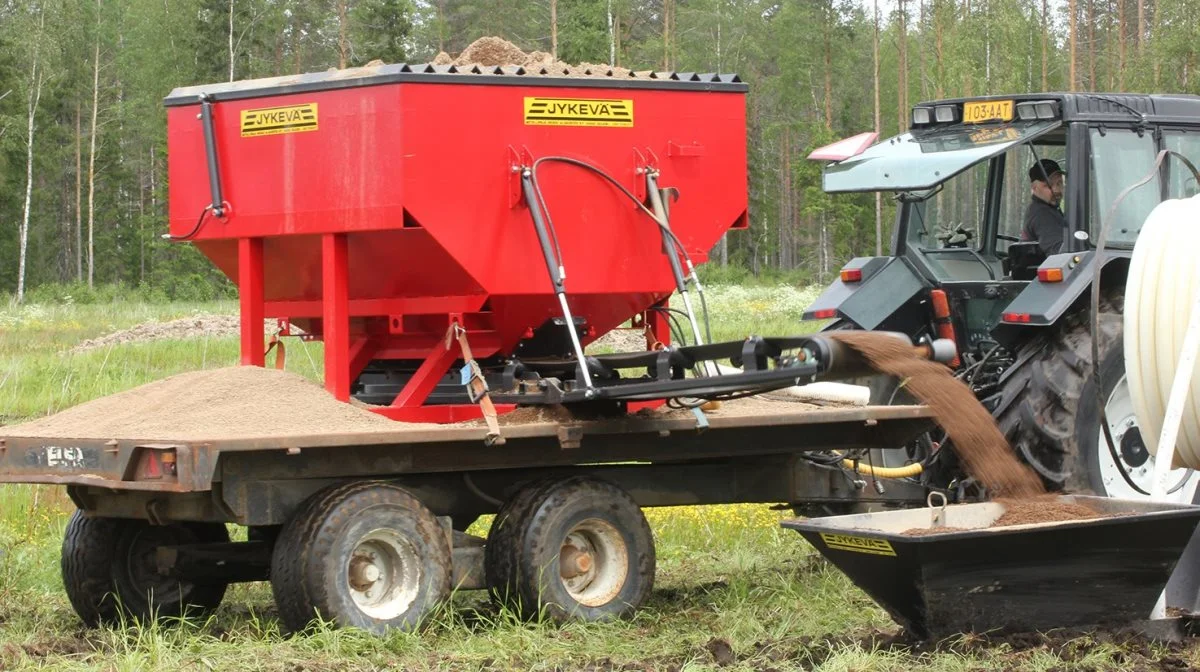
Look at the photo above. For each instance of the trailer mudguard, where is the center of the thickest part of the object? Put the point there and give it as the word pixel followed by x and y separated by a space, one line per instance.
pixel 1042 304
pixel 887 284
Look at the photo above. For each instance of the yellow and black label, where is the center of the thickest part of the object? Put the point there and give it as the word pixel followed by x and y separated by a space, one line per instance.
pixel 845 542
pixel 276 120
pixel 578 112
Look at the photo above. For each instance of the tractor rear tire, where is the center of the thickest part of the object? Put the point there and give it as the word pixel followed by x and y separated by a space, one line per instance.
pixel 1047 406
pixel 109 570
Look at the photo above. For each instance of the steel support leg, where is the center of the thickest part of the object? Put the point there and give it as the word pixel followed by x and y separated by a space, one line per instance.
pixel 250 299
pixel 336 314
pixel 427 377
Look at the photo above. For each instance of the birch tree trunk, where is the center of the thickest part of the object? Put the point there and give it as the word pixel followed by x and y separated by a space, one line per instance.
pixel 902 69
pixel 91 265
pixel 554 28
pixel 612 39
pixel 827 27
pixel 878 129
pixel 36 77
pixel 231 40
pixel 78 191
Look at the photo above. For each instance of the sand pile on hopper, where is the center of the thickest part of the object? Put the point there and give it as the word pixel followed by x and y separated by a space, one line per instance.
pixel 490 52
pixel 232 402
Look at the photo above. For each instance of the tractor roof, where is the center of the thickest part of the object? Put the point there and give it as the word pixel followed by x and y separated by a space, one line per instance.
pixel 1118 107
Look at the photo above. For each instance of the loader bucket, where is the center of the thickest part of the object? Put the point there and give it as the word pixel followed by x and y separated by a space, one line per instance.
pixel 1106 571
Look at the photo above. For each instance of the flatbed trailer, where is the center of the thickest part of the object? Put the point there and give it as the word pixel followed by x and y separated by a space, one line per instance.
pixel 152 511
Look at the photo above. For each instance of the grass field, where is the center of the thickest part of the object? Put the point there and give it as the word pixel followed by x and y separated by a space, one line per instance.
pixel 734 591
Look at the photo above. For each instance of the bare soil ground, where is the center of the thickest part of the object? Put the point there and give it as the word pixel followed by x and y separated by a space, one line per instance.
pixel 197 326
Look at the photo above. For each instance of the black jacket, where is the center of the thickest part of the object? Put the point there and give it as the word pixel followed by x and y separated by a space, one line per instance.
pixel 1046 224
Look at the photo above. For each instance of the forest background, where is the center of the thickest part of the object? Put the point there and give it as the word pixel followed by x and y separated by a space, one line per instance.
pixel 82 128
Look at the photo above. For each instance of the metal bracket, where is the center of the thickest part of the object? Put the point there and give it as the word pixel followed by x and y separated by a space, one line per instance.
pixel 518 159
pixel 677 149
pixel 570 436
pixel 937 517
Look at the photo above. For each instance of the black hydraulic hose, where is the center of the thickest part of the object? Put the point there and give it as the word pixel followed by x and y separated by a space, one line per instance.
pixel 549 223
pixel 666 230
pixel 195 229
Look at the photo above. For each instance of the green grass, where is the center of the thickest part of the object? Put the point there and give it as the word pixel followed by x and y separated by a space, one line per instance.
pixel 734 591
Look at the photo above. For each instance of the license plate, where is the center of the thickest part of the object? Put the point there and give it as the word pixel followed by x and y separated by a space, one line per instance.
pixel 991 110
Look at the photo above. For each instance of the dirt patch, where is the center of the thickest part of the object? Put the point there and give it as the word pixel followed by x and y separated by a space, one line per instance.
pixel 619 340
pixel 232 402
pixel 1044 509
pixel 196 326
pixel 720 651
pixel 1041 510
pixel 977 440
pixel 932 531
pixel 491 52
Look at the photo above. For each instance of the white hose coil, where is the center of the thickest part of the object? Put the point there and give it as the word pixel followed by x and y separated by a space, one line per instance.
pixel 1162 295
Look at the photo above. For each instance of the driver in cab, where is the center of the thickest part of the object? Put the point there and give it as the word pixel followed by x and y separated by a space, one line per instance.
pixel 1044 222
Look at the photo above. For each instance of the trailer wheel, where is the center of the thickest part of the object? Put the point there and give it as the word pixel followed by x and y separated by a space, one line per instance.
pixel 577 549
pixel 110 572
pixel 363 555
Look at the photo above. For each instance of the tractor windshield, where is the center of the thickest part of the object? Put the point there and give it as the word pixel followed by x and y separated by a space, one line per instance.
pixel 921 160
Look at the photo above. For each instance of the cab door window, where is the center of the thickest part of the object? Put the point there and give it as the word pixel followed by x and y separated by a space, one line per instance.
pixel 1181 183
pixel 1119 158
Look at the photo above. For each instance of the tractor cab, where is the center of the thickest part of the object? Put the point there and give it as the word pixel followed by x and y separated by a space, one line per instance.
pixel 961 180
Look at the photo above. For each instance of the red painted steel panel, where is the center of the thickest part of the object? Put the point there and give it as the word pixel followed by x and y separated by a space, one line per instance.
pixel 416 178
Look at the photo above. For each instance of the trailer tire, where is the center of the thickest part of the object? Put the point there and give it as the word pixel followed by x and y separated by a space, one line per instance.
pixel 500 556
pixel 109 573
pixel 581 526
pixel 365 555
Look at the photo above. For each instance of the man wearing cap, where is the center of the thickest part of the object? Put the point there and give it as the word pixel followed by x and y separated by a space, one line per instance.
pixel 1044 222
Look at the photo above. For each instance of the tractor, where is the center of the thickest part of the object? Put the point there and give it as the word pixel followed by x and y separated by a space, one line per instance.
pixel 961 267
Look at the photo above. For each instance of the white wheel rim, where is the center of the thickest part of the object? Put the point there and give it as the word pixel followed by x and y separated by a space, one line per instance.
pixel 1139 465
pixel 593 562
pixel 384 574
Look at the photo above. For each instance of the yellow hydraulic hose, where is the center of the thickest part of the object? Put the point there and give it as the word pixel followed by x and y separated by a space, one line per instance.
pixel 907 471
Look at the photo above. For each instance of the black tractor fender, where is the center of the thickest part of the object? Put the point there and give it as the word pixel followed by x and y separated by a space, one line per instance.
pixel 886 285
pixel 1045 301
